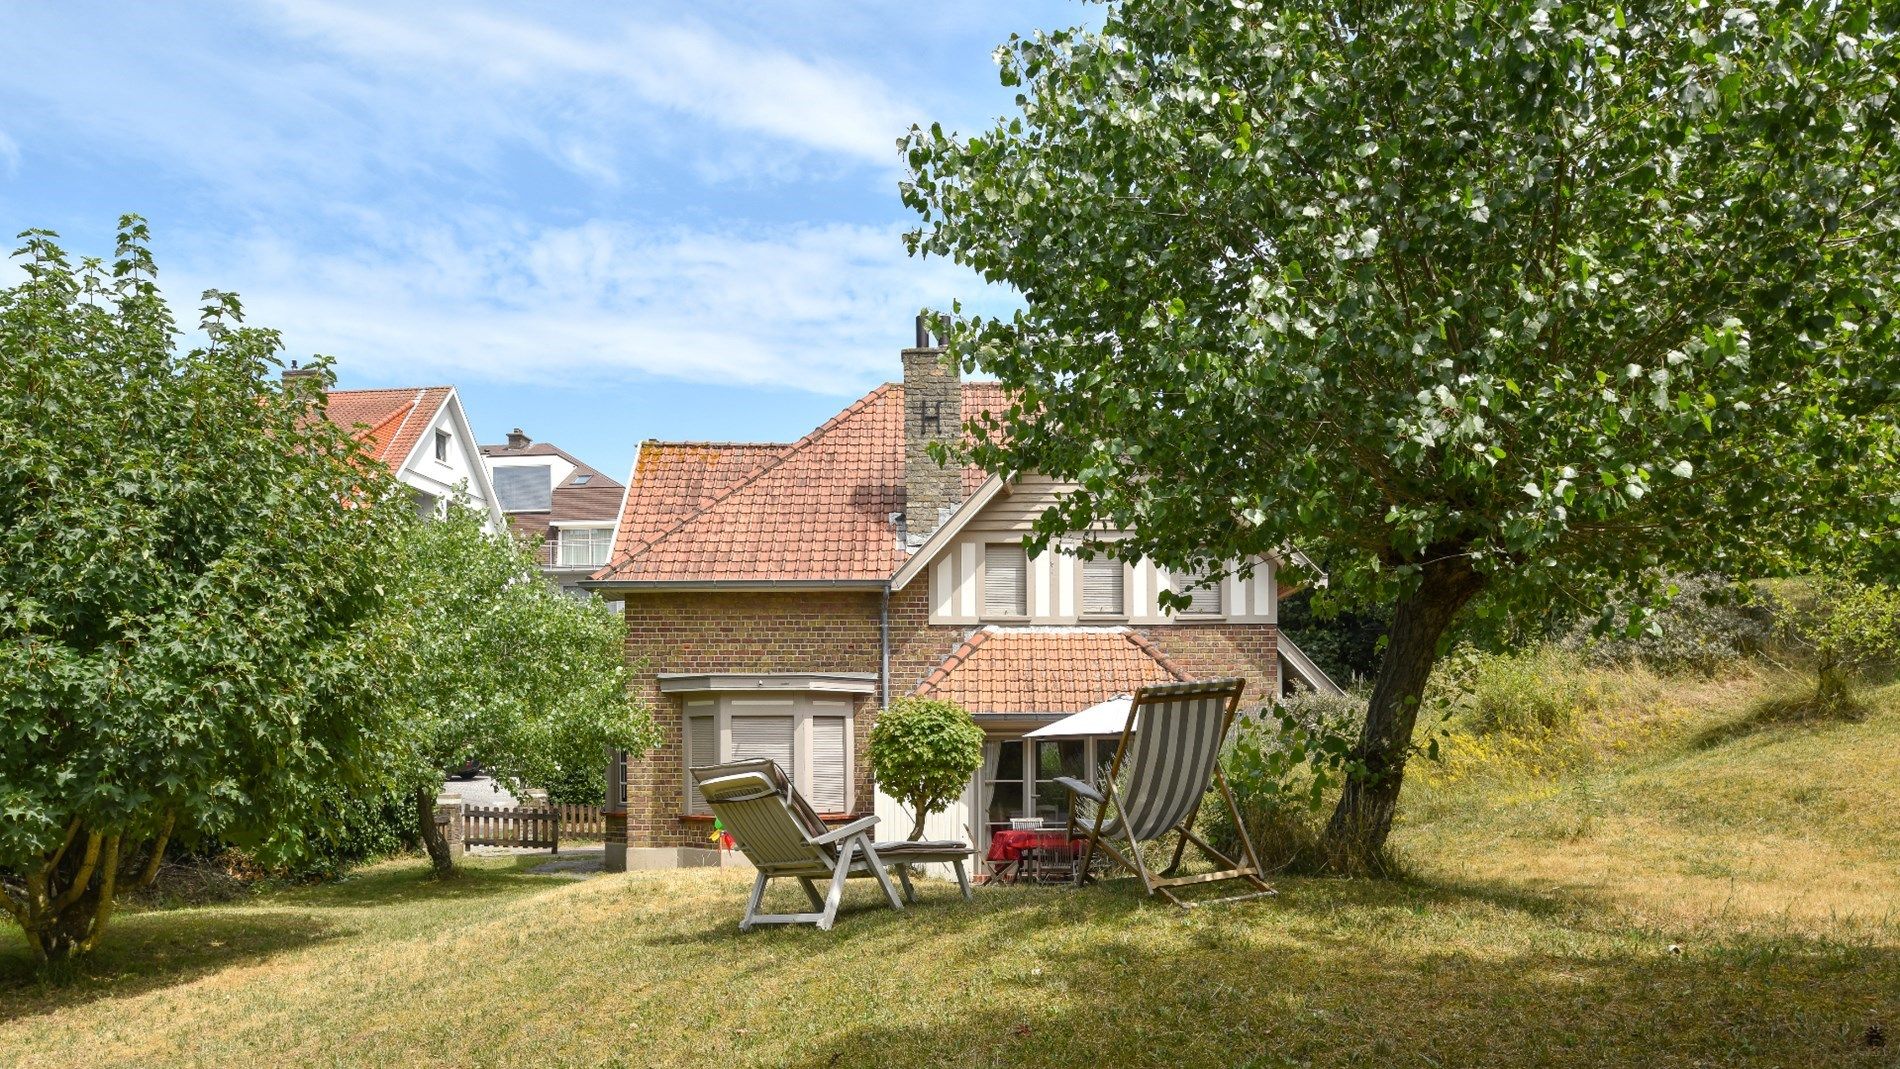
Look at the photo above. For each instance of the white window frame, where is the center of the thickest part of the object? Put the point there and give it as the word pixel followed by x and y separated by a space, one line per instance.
pixel 983 582
pixel 803 709
pixel 603 546
pixel 442 447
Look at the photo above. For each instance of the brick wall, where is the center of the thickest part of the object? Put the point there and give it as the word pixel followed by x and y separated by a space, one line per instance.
pixel 695 632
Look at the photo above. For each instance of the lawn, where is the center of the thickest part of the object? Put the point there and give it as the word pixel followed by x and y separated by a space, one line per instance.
pixel 1717 893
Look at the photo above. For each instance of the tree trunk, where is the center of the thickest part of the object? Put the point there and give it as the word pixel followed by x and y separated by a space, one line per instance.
pixel 63 905
pixel 917 830
pixel 432 837
pixel 1355 837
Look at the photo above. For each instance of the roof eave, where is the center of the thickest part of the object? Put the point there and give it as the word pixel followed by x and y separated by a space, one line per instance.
pixel 734 584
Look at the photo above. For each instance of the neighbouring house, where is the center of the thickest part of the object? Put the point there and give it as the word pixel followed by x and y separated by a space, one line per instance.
pixel 550 495
pixel 423 436
pixel 779 595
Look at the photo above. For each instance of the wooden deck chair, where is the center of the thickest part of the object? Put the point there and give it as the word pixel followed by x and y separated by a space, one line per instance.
pixel 1168 755
pixel 783 836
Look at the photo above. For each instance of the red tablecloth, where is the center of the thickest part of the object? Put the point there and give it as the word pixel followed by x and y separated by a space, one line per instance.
pixel 1009 845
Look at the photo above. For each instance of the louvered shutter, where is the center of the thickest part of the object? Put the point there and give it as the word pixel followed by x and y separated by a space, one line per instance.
pixel 830 760
pixel 1206 599
pixel 1005 581
pixel 702 748
pixel 763 736
pixel 1102 587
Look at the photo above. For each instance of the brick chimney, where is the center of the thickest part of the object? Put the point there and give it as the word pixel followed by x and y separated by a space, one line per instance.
pixel 933 412
pixel 518 440
pixel 293 373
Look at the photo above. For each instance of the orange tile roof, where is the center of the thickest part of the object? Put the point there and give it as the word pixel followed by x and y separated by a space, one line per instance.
pixel 1047 670
pixel 673 480
pixel 817 509
pixel 387 422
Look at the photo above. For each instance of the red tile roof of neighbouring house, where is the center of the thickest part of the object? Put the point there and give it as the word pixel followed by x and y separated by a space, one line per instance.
pixel 389 423
pixel 1047 670
pixel 818 509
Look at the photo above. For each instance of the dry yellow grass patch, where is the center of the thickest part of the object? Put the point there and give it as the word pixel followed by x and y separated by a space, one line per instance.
pixel 1536 931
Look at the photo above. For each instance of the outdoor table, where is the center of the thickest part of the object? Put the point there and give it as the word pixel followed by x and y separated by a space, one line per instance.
pixel 1008 846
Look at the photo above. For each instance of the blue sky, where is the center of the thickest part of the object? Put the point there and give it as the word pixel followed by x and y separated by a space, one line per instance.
pixel 603 222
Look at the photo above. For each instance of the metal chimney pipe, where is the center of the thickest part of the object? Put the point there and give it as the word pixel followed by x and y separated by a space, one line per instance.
pixel 923 332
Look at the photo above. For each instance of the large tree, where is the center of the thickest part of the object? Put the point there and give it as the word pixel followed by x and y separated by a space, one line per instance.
pixel 1486 305
pixel 503 668
pixel 191 572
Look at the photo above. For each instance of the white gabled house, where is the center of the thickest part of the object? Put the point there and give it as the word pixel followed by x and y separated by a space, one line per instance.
pixel 423 436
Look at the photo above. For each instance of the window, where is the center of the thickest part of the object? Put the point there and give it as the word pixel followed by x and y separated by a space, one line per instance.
pixel 1018 778
pixel 581 480
pixel 584 546
pixel 1057 757
pixel 1005 580
pixel 425 504
pixel 442 446
pixel 616 801
pixel 1205 592
pixel 809 738
pixel 1003 768
pixel 829 735
pixel 702 748
pixel 1102 587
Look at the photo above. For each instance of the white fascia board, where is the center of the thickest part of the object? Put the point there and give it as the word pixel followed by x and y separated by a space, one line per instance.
pixel 471 453
pixel 942 536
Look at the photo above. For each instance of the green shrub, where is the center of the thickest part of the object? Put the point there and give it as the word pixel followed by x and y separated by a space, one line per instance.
pixel 1842 632
pixel 923 753
pixel 1284 767
pixel 1707 624
pixel 1535 691
pixel 344 829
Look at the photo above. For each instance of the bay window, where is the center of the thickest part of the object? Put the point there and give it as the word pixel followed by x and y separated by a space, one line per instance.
pixel 810 738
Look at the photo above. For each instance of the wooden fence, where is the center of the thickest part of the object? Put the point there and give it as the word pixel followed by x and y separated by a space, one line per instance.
pixel 535 827
pixel 485 825
pixel 582 821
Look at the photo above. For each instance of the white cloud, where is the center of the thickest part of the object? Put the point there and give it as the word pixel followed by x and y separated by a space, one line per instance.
pixel 819 104
pixel 811 307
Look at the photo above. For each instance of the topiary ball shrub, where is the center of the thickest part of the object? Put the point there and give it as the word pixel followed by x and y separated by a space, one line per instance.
pixel 923 753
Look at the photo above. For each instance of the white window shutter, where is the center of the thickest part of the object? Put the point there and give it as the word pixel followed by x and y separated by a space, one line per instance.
pixel 1206 599
pixel 830 763
pixel 763 736
pixel 1005 580
pixel 1102 587
pixel 702 748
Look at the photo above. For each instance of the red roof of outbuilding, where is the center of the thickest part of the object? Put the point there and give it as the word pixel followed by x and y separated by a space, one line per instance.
pixel 817 509
pixel 1047 670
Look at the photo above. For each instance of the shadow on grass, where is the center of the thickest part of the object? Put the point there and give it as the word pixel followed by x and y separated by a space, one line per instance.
pixel 410 880
pixel 1786 711
pixel 149 949
pixel 1355 996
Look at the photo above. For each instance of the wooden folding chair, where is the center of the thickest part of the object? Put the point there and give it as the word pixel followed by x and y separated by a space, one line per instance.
pixel 1170 748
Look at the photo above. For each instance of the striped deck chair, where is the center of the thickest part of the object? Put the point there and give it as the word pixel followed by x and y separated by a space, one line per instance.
pixel 780 833
pixel 1169 752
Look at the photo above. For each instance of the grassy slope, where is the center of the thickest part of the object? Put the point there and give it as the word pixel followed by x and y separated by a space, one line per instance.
pixel 1535 932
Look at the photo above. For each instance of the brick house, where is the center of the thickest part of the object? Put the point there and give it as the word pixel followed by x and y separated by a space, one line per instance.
pixel 778 595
